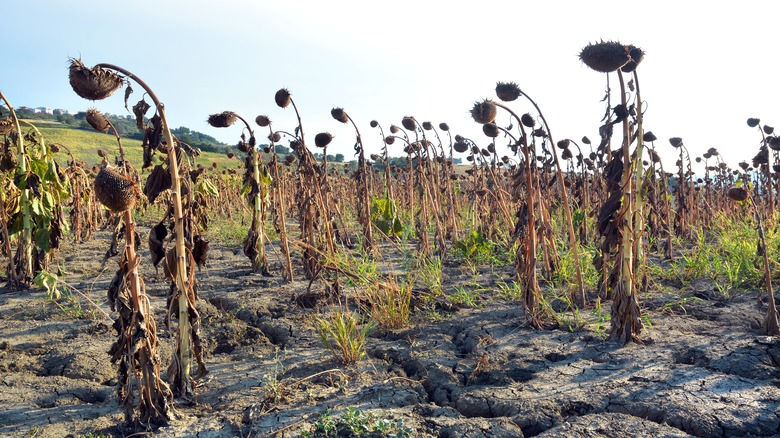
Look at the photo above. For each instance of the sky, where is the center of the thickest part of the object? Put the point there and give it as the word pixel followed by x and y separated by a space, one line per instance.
pixel 706 68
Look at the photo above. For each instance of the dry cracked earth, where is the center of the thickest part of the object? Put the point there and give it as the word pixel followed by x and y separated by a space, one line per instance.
pixel 455 371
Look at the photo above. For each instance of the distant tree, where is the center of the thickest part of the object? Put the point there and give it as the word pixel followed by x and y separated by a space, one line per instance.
pixel 66 119
pixel 339 158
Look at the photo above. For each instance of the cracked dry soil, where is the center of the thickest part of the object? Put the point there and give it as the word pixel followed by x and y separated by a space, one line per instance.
pixel 470 372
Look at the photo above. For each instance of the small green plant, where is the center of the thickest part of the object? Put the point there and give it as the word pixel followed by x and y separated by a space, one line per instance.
pixel 464 296
pixel 390 303
pixel 343 334
pixel 34 431
pixel 601 318
pixel 384 215
pixel 273 384
pixel 354 423
pixel 93 435
pixel 430 272
pixel 510 292
pixel 61 294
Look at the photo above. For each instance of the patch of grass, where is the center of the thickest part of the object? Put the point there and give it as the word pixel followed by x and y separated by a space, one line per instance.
pixel 228 232
pixel 430 273
pixel 390 303
pixel 343 334
pixel 84 145
pixel 600 318
pixel 510 292
pixel 354 423
pixel 467 297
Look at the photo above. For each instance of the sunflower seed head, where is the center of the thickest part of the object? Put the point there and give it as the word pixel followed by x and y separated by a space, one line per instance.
pixel 95 83
pixel 97 120
pixel 340 115
pixel 222 120
pixel 508 91
pixel 262 121
pixel 322 139
pixel 605 57
pixel 283 98
pixel 484 112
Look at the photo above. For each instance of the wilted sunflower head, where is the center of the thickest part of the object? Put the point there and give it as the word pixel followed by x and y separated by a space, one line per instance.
pixel 490 129
pixel 676 142
pixel 95 83
pixel 649 136
pixel 738 194
pixel 605 57
pixel 484 111
pixel 508 91
pixel 527 120
pixel 322 139
pixel 222 120
pixel 97 120
pixel 340 115
pixel 115 191
pixel 389 139
pixel 753 122
pixel 444 127
pixel 262 121
pixel 409 123
pixel 282 98
pixel 374 123
pixel 6 126
pixel 636 54
pixel 427 126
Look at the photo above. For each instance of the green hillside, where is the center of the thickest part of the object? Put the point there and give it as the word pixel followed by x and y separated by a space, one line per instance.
pixel 84 145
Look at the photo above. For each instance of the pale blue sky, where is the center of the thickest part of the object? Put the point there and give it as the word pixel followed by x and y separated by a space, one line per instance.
pixel 706 69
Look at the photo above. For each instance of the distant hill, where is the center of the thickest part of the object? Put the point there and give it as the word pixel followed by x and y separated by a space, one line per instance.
pixel 84 145
pixel 125 126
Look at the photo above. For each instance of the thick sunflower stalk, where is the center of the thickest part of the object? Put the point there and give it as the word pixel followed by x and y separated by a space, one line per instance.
pixel 256 186
pixel 509 92
pixel 21 265
pixel 621 219
pixel 742 193
pixel 98 83
pixel 315 217
pixel 136 346
pixel 363 183
pixel 279 204
pixel 35 191
pixel 525 182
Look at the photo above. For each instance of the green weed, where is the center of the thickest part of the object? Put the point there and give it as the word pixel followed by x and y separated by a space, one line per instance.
pixel 354 423
pixel 343 334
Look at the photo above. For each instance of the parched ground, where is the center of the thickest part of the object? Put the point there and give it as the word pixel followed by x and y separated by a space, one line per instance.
pixel 455 372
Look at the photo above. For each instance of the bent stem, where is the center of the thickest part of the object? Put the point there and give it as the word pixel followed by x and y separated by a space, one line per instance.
pixel 566 209
pixel 771 327
pixel 25 274
pixel 626 323
pixel 185 347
